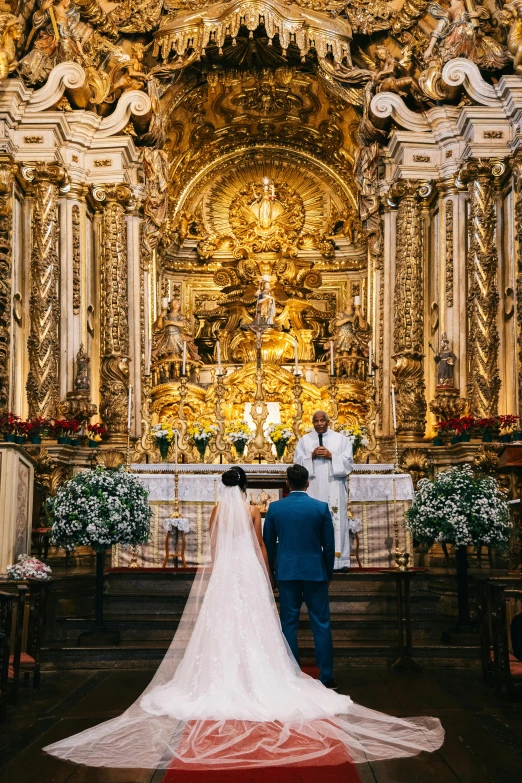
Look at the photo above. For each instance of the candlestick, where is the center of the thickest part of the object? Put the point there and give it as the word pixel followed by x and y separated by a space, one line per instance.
pixel 218 346
pixel 176 448
pixel 394 410
pixel 129 410
pixel 332 365
pixel 395 523
pixel 296 357
pixel 184 367
pixel 370 358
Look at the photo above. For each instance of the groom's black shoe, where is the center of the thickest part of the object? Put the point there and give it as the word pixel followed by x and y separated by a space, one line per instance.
pixel 331 684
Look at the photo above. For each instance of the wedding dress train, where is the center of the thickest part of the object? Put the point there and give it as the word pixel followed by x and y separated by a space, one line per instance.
pixel 229 692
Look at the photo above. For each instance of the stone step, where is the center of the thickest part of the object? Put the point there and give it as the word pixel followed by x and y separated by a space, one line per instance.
pixel 361 627
pixel 363 601
pixel 147 655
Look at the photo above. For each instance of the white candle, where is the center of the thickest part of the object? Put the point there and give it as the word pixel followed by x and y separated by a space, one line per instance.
pixel 129 410
pixel 357 300
pixel 220 372
pixel 165 303
pixel 215 492
pixel 296 357
pixel 370 358
pixel 332 366
pixel 394 410
pixel 184 368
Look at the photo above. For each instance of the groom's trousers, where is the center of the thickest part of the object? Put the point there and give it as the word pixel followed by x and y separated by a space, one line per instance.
pixel 315 595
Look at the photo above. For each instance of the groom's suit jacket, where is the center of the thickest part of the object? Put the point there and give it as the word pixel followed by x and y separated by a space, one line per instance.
pixel 304 528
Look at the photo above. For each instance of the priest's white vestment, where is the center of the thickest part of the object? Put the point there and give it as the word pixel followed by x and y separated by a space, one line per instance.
pixel 328 483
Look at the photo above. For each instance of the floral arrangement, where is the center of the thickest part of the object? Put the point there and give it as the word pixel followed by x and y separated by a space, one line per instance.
pixel 460 508
pixel 28 567
pixel 200 434
pixel 35 428
pixel 66 428
pixel 96 431
pixel 239 433
pixel 99 508
pixel 492 425
pixel 356 434
pixel 163 435
pixel 11 425
pixel 280 435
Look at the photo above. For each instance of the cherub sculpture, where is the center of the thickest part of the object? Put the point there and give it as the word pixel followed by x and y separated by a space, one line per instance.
pixel 391 74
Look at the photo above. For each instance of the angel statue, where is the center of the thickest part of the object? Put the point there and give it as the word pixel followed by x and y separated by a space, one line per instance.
pixel 391 74
pixel 11 29
pixel 263 205
pixel 458 34
pixel 266 307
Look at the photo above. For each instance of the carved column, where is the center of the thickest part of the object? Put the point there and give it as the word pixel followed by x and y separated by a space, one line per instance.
pixel 517 172
pixel 6 224
pixel 408 332
pixel 43 391
pixel 114 318
pixel 483 298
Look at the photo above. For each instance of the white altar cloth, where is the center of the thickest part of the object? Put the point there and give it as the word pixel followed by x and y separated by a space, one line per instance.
pixel 370 496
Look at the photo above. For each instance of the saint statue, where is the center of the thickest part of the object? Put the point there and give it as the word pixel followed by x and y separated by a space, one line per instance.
pixel 82 381
pixel 351 335
pixel 445 360
pixel 265 204
pixel 266 307
pixel 171 330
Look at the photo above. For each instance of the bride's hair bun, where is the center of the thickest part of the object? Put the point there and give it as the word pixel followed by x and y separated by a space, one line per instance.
pixel 235 477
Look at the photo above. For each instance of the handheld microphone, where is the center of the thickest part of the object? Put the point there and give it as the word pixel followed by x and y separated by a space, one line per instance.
pixel 320 438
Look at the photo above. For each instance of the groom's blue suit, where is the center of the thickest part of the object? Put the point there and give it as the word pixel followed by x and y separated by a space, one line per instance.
pixel 305 560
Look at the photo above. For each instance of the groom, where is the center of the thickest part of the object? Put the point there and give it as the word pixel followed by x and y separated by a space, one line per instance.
pixel 305 559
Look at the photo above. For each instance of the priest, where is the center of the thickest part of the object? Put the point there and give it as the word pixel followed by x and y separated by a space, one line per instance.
pixel 328 457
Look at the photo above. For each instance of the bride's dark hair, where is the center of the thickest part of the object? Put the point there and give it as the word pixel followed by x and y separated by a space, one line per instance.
pixel 235 477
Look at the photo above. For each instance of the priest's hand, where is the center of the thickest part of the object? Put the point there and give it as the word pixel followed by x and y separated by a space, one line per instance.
pixel 321 451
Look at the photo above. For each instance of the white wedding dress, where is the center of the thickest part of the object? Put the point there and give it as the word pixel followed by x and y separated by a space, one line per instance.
pixel 229 693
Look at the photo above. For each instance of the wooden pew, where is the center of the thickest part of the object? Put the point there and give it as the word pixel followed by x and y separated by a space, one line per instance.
pixel 498 603
pixel 6 618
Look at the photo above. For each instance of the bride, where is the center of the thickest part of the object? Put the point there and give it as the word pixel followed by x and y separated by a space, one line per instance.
pixel 229 693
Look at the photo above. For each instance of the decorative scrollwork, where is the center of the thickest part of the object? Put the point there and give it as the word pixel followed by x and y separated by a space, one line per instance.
pixel 6 216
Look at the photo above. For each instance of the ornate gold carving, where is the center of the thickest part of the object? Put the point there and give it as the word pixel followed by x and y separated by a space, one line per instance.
pixel 103 163
pixel 11 29
pixel 449 252
pixel 43 342
pixel 33 139
pixel 76 258
pixel 493 134
pixel 483 373
pixel 447 404
pixel 6 225
pixel 114 321
pixel 517 170
pixel 416 463
pixel 409 295
pixel 78 403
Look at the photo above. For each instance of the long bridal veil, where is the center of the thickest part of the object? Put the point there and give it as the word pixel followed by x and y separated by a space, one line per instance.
pixel 229 693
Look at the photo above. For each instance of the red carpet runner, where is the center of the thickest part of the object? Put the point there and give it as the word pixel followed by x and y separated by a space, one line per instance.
pixel 339 770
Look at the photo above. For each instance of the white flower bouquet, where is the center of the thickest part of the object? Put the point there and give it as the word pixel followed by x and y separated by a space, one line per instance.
pixel 27 567
pixel 239 433
pixel 100 508
pixel 280 435
pixel 462 509
pixel 358 436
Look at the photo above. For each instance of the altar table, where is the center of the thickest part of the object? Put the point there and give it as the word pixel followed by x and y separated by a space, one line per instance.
pixel 370 500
